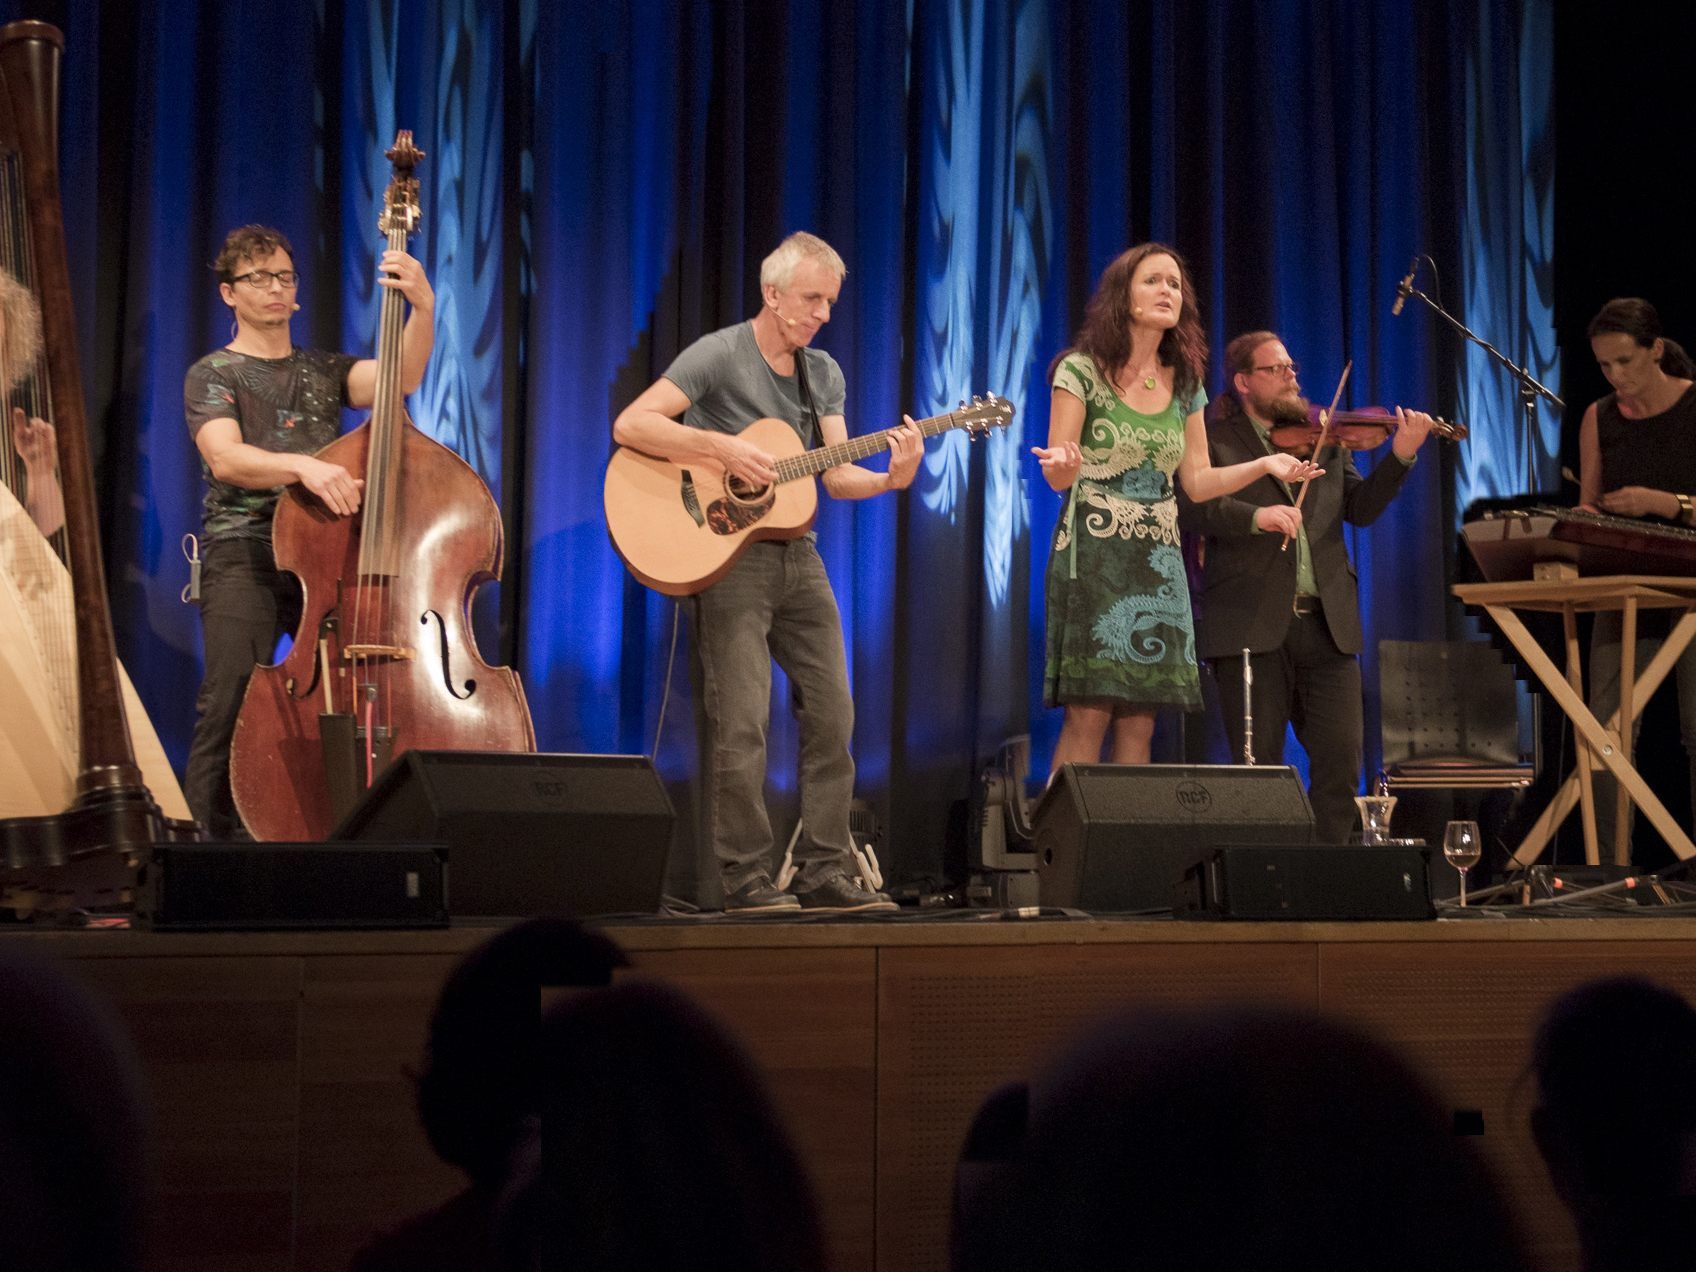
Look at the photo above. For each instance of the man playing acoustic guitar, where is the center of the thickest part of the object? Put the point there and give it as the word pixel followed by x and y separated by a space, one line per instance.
pixel 775 601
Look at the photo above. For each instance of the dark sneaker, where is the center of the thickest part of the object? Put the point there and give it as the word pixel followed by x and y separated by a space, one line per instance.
pixel 757 896
pixel 835 893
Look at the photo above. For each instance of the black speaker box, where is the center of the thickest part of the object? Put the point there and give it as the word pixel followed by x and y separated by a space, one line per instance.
pixel 251 887
pixel 1118 837
pixel 1341 881
pixel 528 833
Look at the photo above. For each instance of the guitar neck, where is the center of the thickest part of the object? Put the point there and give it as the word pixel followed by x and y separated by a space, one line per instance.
pixel 810 463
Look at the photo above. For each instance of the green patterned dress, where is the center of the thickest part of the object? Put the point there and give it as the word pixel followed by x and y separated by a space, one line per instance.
pixel 1118 600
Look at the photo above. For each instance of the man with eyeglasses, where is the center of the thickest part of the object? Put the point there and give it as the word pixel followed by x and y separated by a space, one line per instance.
pixel 1296 611
pixel 258 409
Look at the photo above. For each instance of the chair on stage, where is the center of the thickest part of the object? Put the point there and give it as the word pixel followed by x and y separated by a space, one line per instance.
pixel 1450 717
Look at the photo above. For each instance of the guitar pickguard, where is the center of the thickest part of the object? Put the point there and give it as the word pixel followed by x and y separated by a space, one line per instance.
pixel 727 516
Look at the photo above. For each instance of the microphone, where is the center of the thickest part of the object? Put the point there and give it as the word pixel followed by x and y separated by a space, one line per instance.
pixel 297 306
pixel 781 316
pixel 1403 288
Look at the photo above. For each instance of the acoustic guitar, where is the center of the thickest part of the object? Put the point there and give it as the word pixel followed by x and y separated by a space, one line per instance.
pixel 679 529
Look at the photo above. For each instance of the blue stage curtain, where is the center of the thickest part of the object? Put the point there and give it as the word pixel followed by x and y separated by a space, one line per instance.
pixel 601 184
pixel 1506 276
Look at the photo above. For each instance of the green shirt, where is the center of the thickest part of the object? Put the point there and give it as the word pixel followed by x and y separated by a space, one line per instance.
pixel 1305 584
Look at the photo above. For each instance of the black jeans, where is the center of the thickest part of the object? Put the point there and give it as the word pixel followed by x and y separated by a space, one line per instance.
pixel 1309 683
pixel 245 605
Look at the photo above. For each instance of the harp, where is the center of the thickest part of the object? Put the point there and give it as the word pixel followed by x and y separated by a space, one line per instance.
pixel 84 819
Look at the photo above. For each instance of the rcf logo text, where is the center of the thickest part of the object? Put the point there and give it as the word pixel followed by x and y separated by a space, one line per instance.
pixel 552 792
pixel 1193 797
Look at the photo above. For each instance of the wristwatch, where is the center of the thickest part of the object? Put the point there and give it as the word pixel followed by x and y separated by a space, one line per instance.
pixel 1686 510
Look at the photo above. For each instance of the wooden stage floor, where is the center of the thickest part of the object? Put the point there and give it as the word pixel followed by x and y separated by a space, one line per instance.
pixel 278 1061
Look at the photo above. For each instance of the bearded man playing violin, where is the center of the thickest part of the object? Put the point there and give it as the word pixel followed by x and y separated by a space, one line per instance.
pixel 1296 611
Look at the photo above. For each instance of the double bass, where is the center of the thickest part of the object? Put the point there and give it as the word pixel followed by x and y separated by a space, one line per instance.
pixel 383 661
pixel 81 851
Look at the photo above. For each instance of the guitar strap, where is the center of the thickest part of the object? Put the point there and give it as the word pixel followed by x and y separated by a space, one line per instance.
pixel 807 403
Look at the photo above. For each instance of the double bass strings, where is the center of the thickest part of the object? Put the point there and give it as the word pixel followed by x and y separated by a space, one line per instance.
pixel 374 621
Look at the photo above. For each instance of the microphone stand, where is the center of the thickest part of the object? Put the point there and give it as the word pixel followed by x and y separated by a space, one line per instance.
pixel 1529 387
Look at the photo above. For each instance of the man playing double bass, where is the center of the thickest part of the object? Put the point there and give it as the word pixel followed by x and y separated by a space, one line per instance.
pixel 776 602
pixel 258 409
pixel 1296 611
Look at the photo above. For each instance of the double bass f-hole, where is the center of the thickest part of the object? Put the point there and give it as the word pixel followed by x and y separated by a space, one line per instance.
pixel 446 645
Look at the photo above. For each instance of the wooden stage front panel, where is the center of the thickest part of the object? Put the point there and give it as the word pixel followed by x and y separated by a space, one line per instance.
pixel 279 1063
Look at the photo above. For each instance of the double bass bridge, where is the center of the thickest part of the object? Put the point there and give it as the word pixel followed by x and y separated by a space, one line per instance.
pixel 352 653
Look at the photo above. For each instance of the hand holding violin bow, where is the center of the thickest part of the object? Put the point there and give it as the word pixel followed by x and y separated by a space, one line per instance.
pixel 1319 442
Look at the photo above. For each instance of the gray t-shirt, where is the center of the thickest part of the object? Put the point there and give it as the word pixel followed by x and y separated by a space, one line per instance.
pixel 729 385
pixel 281 404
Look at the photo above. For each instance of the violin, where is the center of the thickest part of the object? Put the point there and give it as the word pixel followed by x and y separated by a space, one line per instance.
pixel 1357 430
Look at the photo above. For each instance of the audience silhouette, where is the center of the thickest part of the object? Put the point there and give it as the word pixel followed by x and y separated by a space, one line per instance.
pixel 73 1131
pixel 659 1148
pixel 1257 1137
pixel 478 1089
pixel 1613 1061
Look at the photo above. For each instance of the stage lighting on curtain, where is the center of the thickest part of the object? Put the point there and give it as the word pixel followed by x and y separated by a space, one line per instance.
pixel 1507 274
pixel 437 71
pixel 370 85
pixel 456 90
pixel 983 249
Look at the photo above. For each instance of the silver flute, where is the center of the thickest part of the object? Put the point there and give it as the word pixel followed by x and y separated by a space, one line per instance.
pixel 1248 710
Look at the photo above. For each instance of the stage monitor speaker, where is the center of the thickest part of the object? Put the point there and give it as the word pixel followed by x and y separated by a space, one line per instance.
pixel 1330 881
pixel 1118 837
pixel 234 887
pixel 527 833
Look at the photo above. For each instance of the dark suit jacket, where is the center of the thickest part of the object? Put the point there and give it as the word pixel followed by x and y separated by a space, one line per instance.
pixel 1248 585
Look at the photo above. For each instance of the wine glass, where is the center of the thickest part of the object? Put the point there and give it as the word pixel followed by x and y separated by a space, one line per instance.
pixel 1462 846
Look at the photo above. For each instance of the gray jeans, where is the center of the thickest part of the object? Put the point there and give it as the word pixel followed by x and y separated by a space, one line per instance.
pixel 1605 640
pixel 776 603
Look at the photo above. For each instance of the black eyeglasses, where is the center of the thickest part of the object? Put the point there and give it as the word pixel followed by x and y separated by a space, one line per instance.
pixel 1281 368
pixel 261 279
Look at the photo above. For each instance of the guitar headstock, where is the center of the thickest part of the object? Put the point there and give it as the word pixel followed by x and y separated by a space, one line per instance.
pixel 983 413
pixel 400 200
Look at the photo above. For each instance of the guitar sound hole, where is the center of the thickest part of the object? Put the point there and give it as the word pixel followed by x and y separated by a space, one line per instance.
pixel 743 493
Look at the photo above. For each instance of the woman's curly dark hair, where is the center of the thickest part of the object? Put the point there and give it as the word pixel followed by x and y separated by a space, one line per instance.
pixel 1106 331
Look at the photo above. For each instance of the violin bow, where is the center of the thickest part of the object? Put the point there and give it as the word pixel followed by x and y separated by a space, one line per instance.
pixel 1324 432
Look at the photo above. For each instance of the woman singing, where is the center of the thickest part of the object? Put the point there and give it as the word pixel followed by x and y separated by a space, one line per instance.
pixel 1126 414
